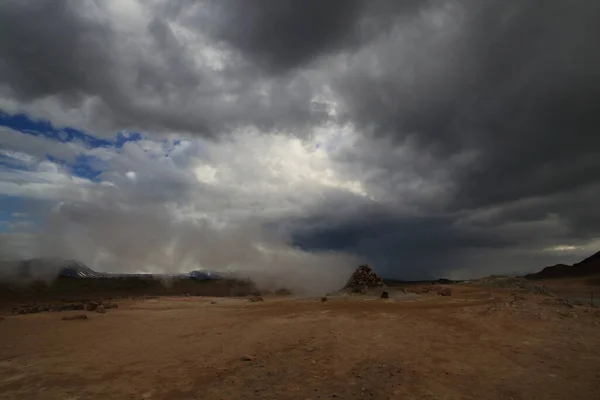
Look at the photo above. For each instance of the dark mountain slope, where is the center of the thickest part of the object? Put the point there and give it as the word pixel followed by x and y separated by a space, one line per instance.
pixel 588 267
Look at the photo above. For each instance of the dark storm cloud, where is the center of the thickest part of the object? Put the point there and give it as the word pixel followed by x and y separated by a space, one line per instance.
pixel 497 101
pixel 147 79
pixel 514 84
pixel 410 247
pixel 47 49
pixel 281 34
pixel 520 84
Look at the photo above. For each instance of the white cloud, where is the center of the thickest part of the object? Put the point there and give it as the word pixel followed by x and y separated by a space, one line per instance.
pixel 131 176
pixel 563 247
pixel 159 200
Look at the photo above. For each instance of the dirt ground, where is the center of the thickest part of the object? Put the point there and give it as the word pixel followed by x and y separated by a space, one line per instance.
pixel 476 344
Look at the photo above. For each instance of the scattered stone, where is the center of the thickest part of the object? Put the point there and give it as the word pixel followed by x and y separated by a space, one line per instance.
pixel 256 299
pixel 246 358
pixel 385 295
pixel 108 306
pixel 74 317
pixel 567 303
pixel 213 302
pixel 565 313
pixel 324 299
pixel 91 306
pixel 543 289
pixel 518 297
pixel 510 283
pixel 445 292
pixel 101 309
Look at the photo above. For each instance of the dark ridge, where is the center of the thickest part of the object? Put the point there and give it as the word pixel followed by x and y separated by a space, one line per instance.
pixel 48 268
pixel 588 267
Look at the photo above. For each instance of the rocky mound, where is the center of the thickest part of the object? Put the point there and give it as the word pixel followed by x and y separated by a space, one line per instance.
pixel 588 267
pixel 363 279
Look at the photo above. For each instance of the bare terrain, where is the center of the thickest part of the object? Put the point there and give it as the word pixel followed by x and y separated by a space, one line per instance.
pixel 479 343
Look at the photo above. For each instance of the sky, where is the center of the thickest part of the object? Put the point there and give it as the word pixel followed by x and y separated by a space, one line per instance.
pixel 299 138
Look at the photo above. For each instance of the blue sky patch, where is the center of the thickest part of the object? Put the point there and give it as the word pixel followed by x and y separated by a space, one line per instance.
pixel 84 166
pixel 24 124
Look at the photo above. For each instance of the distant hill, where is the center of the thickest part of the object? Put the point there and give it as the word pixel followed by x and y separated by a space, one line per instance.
pixel 49 268
pixel 588 267
pixel 45 268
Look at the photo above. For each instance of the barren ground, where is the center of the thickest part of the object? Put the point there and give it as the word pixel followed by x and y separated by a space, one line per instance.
pixel 476 344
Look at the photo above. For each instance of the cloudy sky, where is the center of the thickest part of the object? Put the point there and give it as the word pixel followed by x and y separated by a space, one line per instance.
pixel 441 138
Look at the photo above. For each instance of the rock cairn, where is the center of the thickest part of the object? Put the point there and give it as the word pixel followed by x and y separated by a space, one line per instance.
pixel 363 279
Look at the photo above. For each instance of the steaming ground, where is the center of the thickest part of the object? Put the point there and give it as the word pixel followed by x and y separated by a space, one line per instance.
pixel 140 240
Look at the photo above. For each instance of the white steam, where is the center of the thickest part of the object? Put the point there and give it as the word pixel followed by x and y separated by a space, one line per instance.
pixel 121 239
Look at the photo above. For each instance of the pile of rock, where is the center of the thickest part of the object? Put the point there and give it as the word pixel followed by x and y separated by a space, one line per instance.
pixel 80 306
pixel 363 279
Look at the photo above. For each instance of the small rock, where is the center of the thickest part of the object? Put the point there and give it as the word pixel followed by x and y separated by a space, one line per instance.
pixel 91 306
pixel 445 292
pixel 101 309
pixel 246 358
pixel 565 313
pixel 324 298
pixel 385 295
pixel 256 299
pixel 213 302
pixel 74 317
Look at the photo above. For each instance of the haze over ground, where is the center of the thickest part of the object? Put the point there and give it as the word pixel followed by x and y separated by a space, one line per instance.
pixel 438 138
